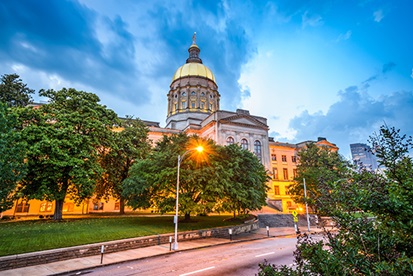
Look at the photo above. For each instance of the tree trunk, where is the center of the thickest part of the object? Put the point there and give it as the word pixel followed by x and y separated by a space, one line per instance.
pixel 58 209
pixel 187 217
pixel 121 206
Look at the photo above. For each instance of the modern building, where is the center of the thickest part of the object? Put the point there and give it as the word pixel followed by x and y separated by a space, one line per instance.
pixel 194 107
pixel 363 156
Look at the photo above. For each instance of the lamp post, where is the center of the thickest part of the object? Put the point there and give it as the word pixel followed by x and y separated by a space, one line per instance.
pixel 306 206
pixel 180 158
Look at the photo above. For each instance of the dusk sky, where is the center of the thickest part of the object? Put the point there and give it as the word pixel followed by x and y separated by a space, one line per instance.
pixel 334 69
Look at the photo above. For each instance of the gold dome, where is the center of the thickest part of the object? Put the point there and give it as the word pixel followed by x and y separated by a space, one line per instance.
pixel 193 69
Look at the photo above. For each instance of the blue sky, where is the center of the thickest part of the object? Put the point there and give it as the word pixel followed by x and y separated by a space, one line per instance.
pixel 334 69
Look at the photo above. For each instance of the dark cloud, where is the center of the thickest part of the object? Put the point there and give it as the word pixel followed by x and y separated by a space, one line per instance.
pixel 355 117
pixel 59 37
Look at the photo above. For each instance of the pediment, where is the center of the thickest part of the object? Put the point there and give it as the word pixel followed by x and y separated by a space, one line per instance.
pixel 243 119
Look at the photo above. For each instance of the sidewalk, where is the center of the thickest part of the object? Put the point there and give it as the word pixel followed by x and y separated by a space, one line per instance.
pixel 141 253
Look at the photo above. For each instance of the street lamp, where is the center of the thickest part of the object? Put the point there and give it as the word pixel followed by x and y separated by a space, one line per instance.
pixel 180 158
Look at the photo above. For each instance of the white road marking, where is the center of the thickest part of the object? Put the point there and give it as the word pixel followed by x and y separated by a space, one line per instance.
pixel 201 270
pixel 265 254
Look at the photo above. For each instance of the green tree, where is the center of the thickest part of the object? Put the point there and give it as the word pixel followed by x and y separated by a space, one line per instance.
pixel 129 143
pixel 152 181
pixel 243 179
pixel 65 138
pixel 317 165
pixel 373 211
pixel 12 153
pixel 14 92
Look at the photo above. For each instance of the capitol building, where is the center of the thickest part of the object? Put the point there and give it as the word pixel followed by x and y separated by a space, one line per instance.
pixel 194 108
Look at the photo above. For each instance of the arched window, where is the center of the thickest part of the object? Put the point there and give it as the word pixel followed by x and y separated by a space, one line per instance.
pixel 244 144
pixel 193 93
pixel 183 93
pixel 202 94
pixel 257 149
pixel 230 140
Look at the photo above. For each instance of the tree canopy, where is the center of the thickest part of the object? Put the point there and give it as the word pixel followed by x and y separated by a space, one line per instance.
pixel 129 142
pixel 373 211
pixel 12 153
pixel 220 179
pixel 64 140
pixel 317 164
pixel 13 92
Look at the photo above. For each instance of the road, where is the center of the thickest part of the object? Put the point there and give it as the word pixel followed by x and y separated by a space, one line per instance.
pixel 229 259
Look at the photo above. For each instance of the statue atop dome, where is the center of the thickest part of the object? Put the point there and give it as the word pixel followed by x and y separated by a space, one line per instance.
pixel 194 38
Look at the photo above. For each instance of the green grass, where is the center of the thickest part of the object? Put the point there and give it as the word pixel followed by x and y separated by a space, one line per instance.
pixel 18 237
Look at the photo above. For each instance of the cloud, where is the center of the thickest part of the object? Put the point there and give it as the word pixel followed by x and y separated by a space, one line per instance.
pixel 311 20
pixel 355 117
pixel 378 15
pixel 345 36
pixel 388 67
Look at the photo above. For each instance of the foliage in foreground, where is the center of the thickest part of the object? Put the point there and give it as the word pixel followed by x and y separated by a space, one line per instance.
pixel 374 213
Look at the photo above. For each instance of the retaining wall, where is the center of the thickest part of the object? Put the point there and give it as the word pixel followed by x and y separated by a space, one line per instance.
pixel 55 255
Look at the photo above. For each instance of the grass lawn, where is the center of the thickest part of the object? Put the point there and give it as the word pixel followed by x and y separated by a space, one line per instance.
pixel 34 235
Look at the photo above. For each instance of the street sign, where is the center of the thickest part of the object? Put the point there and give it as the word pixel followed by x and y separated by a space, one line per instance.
pixel 295 219
pixel 294 213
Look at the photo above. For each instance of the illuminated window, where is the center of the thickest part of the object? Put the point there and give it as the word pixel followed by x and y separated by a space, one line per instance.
pixel 22 207
pixel 287 190
pixel 244 144
pixel 277 190
pixel 230 140
pixel 68 207
pixel 46 207
pixel 274 173
pixel 284 158
pixel 257 149
pixel 117 205
pixel 285 174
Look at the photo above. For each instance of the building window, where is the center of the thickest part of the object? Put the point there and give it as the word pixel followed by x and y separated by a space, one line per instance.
pixel 183 104
pixel 285 174
pixel 274 173
pixel 284 158
pixel 287 190
pixel 210 106
pixel 22 207
pixel 192 104
pixel 117 205
pixel 202 94
pixel 230 140
pixel 276 190
pixel 183 93
pixel 295 173
pixel 202 105
pixel 289 204
pixel 244 144
pixel 68 207
pixel 193 93
pixel 273 157
pixel 98 206
pixel 46 207
pixel 294 159
pixel 257 149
